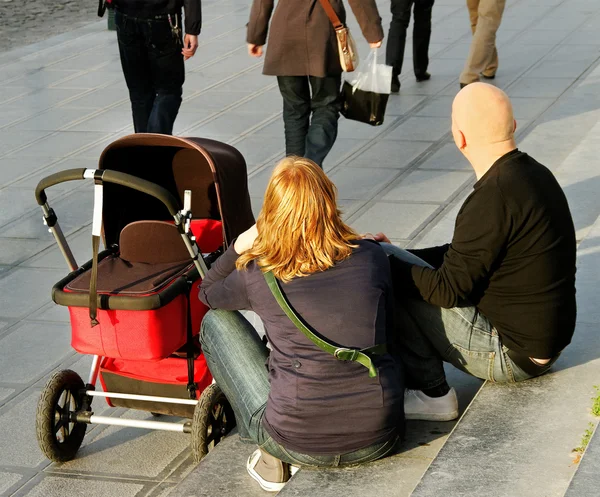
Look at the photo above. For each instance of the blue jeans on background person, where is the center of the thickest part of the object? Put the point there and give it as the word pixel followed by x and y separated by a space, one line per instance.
pixel 421 35
pixel 153 68
pixel 428 335
pixel 236 357
pixel 305 135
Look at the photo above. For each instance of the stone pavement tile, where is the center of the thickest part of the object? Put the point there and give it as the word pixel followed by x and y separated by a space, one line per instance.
pixel 575 53
pixel 428 186
pixel 395 475
pixel 17 432
pixel 268 102
pixel 188 120
pixel 584 37
pixel 457 51
pixel 16 168
pixel 540 87
pixel 529 107
pixel 80 244
pixel 257 183
pixel 585 481
pixel 542 37
pixel 361 184
pixel 437 107
pixel 275 129
pixel 7 480
pixel 94 151
pixel 212 100
pixel 343 148
pixel 390 154
pixel 15 250
pixel 31 180
pixel 256 205
pixel 354 129
pixel 25 356
pixel 247 83
pixel 401 104
pixel 42 79
pixel 5 393
pixel 420 128
pixel 15 203
pixel 441 230
pixel 12 140
pixel 90 80
pixel 258 149
pixel 128 452
pixel 447 157
pixel 10 94
pixel 52 119
pixel 45 98
pixel 559 68
pixel 397 221
pixel 9 116
pixel 431 87
pixel 53 313
pixel 110 121
pixel 227 126
pixel 61 143
pixel 73 211
pixel 24 290
pixel 588 275
pixel 55 486
pixel 97 99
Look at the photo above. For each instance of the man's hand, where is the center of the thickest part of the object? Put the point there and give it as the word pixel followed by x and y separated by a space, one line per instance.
pixel 245 241
pixel 379 237
pixel 190 45
pixel 377 44
pixel 255 50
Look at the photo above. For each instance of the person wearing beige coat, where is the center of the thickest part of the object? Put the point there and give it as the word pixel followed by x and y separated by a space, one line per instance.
pixel 302 52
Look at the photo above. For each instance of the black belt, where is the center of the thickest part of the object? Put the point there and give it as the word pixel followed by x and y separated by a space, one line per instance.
pixel 527 365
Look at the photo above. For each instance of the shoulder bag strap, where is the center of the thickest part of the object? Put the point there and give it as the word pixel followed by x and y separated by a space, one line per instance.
pixel 341 353
pixel 333 17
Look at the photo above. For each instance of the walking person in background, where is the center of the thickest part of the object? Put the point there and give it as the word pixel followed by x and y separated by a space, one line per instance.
pixel 152 53
pixel 397 38
pixel 485 16
pixel 303 54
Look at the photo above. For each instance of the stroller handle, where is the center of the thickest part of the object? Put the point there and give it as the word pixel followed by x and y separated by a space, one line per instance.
pixel 107 176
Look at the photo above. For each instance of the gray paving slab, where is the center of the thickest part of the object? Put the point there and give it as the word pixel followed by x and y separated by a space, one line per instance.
pixel 15 250
pixel 55 486
pixel 8 480
pixel 447 157
pixel 357 184
pixel 25 357
pixel 587 480
pixel 427 186
pixel 420 128
pixel 386 154
pixel 25 290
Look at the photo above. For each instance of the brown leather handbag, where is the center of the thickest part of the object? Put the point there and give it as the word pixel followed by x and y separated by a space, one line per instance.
pixel 346 45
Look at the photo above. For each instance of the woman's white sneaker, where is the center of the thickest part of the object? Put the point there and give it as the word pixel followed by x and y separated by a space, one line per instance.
pixel 417 405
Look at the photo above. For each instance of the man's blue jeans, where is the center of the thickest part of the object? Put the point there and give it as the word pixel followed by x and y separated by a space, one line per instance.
pixel 236 357
pixel 153 68
pixel 429 335
pixel 305 135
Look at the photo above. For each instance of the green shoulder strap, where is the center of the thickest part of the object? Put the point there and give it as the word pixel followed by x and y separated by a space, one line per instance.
pixel 361 356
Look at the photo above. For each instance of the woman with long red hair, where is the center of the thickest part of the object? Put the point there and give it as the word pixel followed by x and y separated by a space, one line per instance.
pixel 306 407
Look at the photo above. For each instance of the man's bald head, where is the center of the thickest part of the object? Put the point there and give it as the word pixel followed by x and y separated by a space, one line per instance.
pixel 483 115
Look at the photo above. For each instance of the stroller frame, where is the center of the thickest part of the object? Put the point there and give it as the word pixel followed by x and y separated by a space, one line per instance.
pixel 82 415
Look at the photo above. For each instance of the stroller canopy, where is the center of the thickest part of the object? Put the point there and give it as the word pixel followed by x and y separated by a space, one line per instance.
pixel 213 171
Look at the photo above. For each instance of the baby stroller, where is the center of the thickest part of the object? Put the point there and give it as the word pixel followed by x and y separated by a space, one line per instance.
pixel 135 305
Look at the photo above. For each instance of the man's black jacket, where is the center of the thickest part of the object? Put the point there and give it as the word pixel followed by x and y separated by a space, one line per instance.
pixel 150 8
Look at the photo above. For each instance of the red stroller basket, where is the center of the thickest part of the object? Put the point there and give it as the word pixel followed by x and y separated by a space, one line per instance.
pixel 161 202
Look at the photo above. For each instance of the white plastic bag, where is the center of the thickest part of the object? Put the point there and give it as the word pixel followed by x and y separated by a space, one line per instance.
pixel 371 76
pixel 365 93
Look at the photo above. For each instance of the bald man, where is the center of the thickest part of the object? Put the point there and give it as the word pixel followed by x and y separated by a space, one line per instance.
pixel 499 301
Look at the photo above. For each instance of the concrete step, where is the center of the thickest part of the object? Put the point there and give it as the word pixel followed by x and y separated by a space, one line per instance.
pixel 587 478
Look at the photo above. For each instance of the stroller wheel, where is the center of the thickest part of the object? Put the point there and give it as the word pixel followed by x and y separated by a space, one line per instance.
pixel 59 437
pixel 213 419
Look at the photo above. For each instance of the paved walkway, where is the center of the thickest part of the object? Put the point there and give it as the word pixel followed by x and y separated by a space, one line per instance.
pixel 64 99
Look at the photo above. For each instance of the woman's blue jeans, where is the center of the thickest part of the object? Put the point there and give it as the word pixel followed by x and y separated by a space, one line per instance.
pixel 429 335
pixel 236 357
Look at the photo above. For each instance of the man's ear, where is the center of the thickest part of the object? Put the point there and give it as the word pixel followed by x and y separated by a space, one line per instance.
pixel 515 125
pixel 462 141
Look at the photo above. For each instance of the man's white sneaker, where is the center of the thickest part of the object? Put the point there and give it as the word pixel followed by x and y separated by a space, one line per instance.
pixel 417 405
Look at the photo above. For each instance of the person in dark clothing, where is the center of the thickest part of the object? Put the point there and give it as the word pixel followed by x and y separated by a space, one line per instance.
pixel 308 408
pixel 397 38
pixel 499 301
pixel 152 52
pixel 302 52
